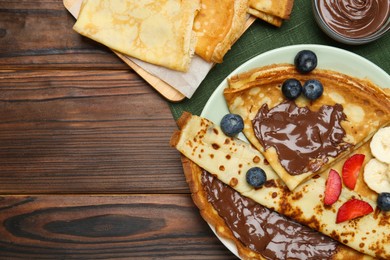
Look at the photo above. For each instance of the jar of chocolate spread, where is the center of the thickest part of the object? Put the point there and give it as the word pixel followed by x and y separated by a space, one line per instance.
pixel 353 21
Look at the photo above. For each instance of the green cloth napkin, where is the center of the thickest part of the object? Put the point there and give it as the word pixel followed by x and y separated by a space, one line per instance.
pixel 261 37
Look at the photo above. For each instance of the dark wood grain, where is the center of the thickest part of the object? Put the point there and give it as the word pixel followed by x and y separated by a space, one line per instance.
pixel 39 34
pixel 85 132
pixel 86 171
pixel 86 168
pixel 96 227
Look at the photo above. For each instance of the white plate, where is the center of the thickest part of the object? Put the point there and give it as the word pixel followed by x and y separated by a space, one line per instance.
pixel 328 58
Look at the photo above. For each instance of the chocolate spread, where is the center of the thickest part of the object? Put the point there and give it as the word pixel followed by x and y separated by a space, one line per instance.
pixel 303 139
pixel 354 18
pixel 264 231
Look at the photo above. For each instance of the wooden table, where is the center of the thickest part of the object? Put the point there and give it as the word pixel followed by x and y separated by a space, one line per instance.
pixel 86 166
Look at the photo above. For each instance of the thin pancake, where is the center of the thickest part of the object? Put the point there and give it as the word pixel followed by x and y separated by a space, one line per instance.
pixel 218 25
pixel 158 32
pixel 278 8
pixel 193 174
pixel 365 105
pixel 212 215
pixel 269 18
pixel 228 159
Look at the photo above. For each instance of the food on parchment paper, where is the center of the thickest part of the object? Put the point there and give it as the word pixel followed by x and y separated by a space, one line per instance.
pixel 168 32
pixel 158 32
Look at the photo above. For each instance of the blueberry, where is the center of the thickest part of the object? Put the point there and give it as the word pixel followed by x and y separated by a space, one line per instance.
pixel 256 177
pixel 291 88
pixel 232 124
pixel 383 201
pixel 312 89
pixel 305 61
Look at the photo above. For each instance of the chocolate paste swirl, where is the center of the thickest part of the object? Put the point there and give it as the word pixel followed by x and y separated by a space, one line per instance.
pixel 265 231
pixel 303 139
pixel 354 18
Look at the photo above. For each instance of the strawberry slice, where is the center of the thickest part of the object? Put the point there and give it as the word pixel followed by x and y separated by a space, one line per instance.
pixel 351 169
pixel 332 187
pixel 353 208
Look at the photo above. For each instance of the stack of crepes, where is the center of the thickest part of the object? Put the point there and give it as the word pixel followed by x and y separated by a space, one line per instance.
pixel 167 33
pixel 271 11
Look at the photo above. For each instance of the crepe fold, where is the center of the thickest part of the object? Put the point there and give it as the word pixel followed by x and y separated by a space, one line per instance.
pixel 253 249
pixel 228 159
pixel 271 11
pixel 159 32
pixel 366 106
pixel 218 25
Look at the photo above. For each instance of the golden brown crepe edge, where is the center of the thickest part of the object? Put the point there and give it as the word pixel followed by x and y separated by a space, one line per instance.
pixel 371 90
pixel 236 30
pixel 235 27
pixel 189 39
pixel 192 174
pixel 283 10
pixel 269 18
pixel 287 67
pixel 277 72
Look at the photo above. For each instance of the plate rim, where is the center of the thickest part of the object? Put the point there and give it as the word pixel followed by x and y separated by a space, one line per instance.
pixel 251 63
pixel 327 48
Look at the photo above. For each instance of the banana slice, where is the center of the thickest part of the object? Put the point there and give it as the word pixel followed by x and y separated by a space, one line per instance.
pixel 380 145
pixel 377 176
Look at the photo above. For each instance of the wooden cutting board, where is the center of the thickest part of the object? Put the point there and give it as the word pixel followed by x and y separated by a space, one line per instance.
pixel 166 90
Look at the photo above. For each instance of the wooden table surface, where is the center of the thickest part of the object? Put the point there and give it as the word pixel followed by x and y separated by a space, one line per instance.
pixel 86 170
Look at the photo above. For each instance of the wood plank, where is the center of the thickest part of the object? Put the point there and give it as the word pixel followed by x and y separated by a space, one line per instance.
pixel 96 227
pixel 85 132
pixel 169 92
pixel 39 34
pixel 61 47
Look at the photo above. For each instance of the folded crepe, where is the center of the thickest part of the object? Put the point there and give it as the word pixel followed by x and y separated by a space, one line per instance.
pixel 278 8
pixel 228 212
pixel 159 32
pixel 269 18
pixel 273 12
pixel 218 25
pixel 357 109
pixel 228 159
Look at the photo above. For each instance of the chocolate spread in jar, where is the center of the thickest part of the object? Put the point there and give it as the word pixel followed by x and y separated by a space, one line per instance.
pixel 354 18
pixel 264 231
pixel 303 139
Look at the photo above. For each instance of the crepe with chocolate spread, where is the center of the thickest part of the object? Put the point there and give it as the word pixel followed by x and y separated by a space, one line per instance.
pixel 228 159
pixel 256 231
pixel 302 138
pixel 218 25
pixel 158 32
